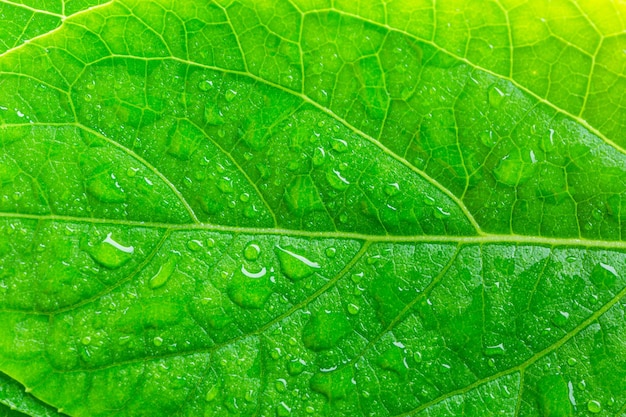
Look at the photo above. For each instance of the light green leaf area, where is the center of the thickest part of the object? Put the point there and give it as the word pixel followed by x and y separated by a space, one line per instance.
pixel 294 208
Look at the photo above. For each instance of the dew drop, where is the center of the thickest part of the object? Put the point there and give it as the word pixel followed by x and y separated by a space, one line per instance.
pixel 244 197
pixel 225 185
pixel 353 309
pixel 335 384
pixel 85 340
pixel 417 357
pixel 158 341
pixel 488 139
pixel 211 394
pixel 324 330
pixel 230 95
pixel 110 253
pixel 339 145
pixel 194 245
pixel 294 265
pixel 163 274
pixel 252 251
pixel 205 85
pixel 283 410
pixel 213 116
pixel 337 180
pixel 105 188
pixel 392 189
pixel 319 157
pixel 281 385
pixel 331 252
pixel 496 96
pixel 594 406
pixel 296 367
pixel 494 350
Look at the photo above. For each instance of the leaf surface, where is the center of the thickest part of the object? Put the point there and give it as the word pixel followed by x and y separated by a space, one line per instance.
pixel 300 208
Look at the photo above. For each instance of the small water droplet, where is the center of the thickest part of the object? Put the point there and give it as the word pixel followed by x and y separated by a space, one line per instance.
pixel 194 245
pixel 353 309
pixel 163 274
pixel 283 410
pixel 339 145
pixel 213 116
pixel 281 385
pixel 85 340
pixel 225 185
pixel 309 409
pixel 496 96
pixel 252 251
pixel 594 406
pixel 230 95
pixel 110 253
pixel 572 361
pixel 494 350
pixel 337 180
pixel 417 357
pixel 319 157
pixel 244 197
pixel 357 277
pixel 331 252
pixel 296 367
pixel 294 265
pixel 158 341
pixel 488 139
pixel 105 188
pixel 392 189
pixel 205 85
pixel 211 393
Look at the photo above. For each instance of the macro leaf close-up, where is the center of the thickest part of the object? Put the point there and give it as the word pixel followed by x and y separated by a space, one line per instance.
pixel 375 208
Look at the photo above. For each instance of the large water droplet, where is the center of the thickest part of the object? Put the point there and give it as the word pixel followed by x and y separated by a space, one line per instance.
pixel 334 385
pixel 337 180
pixel 324 330
pixel 296 367
pixel 163 274
pixel 339 145
pixel 392 189
pixel 250 289
pixel 230 95
pixel 110 253
pixel 302 196
pixel 213 116
pixel 294 265
pixel 319 157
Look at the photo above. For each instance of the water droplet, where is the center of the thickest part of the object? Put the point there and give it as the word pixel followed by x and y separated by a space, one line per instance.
pixel 594 406
pixel 85 340
pixel 275 353
pixel 392 189
pixel 294 265
pixel 336 180
pixel 296 367
pixel 211 393
pixel 334 385
pixel 512 170
pixel 205 85
pixel 281 385
pixel 324 330
pixel 496 96
pixel 488 139
pixel 131 172
pixel 393 360
pixel 309 409
pixel 225 185
pixel 283 410
pixel 249 289
pixel 252 251
pixel 105 188
pixel 194 245
pixel 582 385
pixel 213 116
pixel 417 357
pixel 331 252
pixel 319 157
pixel 163 274
pixel 302 196
pixel 110 253
pixel 339 145
pixel 353 309
pixel 230 95
pixel 494 350
pixel 158 341
pixel 244 197
pixel 357 277
pixel 572 361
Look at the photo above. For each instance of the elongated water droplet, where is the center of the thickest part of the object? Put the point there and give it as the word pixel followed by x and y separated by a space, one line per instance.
pixel 339 145
pixel 294 265
pixel 163 274
pixel 392 189
pixel 494 350
pixel 496 96
pixel 319 157
pixel 230 95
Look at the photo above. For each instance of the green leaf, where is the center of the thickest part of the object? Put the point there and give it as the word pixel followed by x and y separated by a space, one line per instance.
pixel 312 208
